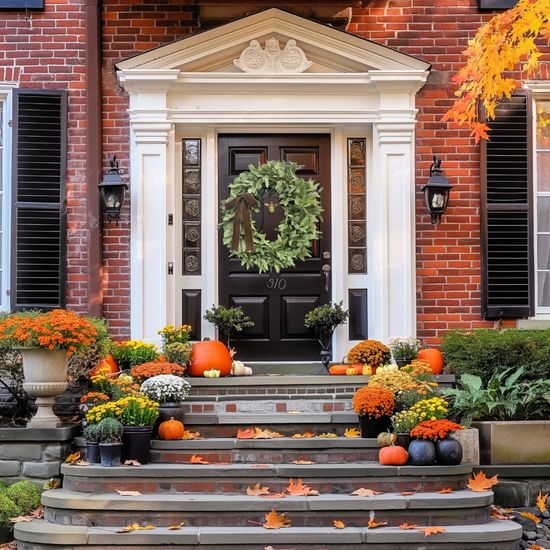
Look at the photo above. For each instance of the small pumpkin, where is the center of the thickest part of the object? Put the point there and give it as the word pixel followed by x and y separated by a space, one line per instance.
pixel 351 371
pixel 367 370
pixel 393 456
pixel 209 355
pixel 386 439
pixel 338 369
pixel 213 373
pixel 171 429
pixel 108 363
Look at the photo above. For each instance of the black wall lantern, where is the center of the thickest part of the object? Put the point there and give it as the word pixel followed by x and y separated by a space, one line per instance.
pixel 437 191
pixel 112 191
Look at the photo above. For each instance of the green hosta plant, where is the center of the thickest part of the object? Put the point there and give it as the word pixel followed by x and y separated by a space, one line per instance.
pixel 504 398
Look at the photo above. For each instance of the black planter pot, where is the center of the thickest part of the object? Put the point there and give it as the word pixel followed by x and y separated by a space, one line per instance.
pixel 166 412
pixel 403 440
pixel 402 362
pixel 137 443
pixel 448 452
pixel 421 452
pixel 110 454
pixel 373 427
pixel 92 452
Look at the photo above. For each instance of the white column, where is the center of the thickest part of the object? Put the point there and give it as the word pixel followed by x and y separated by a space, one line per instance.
pixel 393 225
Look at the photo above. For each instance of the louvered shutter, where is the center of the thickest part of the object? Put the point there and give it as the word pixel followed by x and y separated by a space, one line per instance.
pixel 506 212
pixel 39 227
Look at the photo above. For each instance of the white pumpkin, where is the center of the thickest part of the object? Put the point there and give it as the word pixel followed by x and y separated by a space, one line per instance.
pixel 240 370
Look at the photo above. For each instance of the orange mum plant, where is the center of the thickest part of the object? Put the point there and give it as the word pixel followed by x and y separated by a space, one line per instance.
pixel 435 429
pixel 373 401
pixel 57 329
pixel 369 352
pixel 154 368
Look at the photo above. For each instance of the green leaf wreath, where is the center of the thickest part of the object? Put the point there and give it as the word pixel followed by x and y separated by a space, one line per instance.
pixel 301 204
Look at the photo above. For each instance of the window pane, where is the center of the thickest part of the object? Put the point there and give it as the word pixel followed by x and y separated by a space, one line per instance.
pixel 544 288
pixel 543 214
pixel 543 171
pixel 543 124
pixel 543 251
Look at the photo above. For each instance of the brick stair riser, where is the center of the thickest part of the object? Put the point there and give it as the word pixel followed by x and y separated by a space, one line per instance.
pixel 318 518
pixel 227 485
pixel 262 406
pixel 268 456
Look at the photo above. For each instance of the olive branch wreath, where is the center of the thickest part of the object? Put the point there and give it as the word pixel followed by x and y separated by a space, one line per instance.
pixel 301 204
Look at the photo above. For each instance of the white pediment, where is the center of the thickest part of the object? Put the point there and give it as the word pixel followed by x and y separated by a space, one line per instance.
pixel 324 49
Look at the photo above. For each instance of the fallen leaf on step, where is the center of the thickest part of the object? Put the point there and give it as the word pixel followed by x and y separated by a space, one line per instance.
pixel 256 491
pixel 298 489
pixel 187 434
pixel 444 491
pixel 275 495
pixel 536 547
pixel 481 484
pixel 406 493
pixel 432 530
pixel 175 527
pixel 35 514
pixel 293 412
pixel 132 463
pixel 300 436
pixel 541 501
pixel 259 466
pixel 352 432
pixel 135 527
pixel 71 459
pixel 366 493
pixel 129 493
pixel 265 434
pixel 407 526
pixel 339 524
pixel 52 484
pixel 303 462
pixel 13 545
pixel 373 525
pixel 328 435
pixel 530 516
pixel 274 521
pixel 222 463
pixel 195 459
pixel 246 434
pixel 499 513
pixel 79 463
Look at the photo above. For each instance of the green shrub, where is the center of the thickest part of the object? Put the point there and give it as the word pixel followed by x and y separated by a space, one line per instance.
pixel 25 495
pixel 484 352
pixel 8 510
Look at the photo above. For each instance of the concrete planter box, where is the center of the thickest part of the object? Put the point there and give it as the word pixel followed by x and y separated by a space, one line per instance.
pixel 521 442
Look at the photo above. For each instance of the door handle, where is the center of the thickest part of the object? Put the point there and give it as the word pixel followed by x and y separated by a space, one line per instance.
pixel 326 271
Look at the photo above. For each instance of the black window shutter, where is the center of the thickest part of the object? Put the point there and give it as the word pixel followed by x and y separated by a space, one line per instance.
pixel 506 211
pixel 39 191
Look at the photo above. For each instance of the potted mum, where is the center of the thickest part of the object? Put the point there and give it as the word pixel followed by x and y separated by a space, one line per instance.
pixel 46 340
pixel 374 405
pixel 370 353
pixel 404 350
pixel 403 423
pixel 110 445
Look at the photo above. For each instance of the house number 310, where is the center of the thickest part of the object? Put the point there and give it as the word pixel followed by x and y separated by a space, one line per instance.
pixel 276 283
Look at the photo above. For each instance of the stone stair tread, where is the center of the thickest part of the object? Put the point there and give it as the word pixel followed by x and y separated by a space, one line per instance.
pixel 38 531
pixel 63 499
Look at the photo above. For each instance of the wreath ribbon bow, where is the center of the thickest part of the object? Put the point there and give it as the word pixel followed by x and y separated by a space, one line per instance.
pixel 242 210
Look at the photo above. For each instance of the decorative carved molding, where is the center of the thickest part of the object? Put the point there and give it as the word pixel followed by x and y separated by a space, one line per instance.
pixel 272 59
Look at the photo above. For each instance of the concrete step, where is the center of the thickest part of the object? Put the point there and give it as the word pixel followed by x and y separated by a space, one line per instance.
pixel 235 478
pixel 40 535
pixel 322 450
pixel 196 509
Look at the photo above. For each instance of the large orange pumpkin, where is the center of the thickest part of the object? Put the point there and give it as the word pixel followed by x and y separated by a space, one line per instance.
pixel 393 456
pixel 108 363
pixel 171 429
pixel 338 369
pixel 209 355
pixel 434 358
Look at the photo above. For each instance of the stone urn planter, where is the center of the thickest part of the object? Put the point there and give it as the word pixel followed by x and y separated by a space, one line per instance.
pixel 45 372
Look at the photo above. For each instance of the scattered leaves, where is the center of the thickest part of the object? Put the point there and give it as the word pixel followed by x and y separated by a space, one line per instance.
pixel 536 547
pixel 303 462
pixel 135 527
pixel 35 514
pixel 246 434
pixel 444 491
pixel 373 525
pixel 541 501
pixel 481 484
pixel 175 527
pixel 300 436
pixel 187 434
pixel 298 489
pixel 223 463
pixel 195 459
pixel 274 521
pixel 338 524
pixel 256 491
pixel 13 545
pixel 530 516
pixel 328 435
pixel 128 493
pixel 132 463
pixel 79 463
pixel 265 434
pixel 499 513
pixel 72 458
pixel 352 432
pixel 406 493
pixel 366 493
pixel 274 495
pixel 52 484
pixel 407 526
pixel 259 465
pixel 293 412
pixel 432 530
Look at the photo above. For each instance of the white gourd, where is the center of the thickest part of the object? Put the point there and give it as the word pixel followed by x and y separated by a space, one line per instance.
pixel 238 368
pixel 247 371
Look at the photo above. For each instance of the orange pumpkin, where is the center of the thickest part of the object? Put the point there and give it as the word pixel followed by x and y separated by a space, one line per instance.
pixel 434 358
pixel 108 363
pixel 171 429
pixel 338 369
pixel 209 355
pixel 393 456
pixel 351 371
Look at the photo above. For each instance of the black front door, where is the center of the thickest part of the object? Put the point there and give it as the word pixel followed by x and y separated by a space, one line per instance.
pixel 276 302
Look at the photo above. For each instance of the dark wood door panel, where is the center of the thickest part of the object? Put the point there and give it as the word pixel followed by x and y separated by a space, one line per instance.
pixel 257 308
pixel 293 312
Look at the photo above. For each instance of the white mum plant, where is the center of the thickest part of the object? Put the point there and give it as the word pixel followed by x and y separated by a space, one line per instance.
pixel 166 388
pixel 405 348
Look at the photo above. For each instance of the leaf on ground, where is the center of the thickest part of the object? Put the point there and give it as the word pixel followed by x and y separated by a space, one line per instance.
pixel 79 463
pixel 328 435
pixel 432 530
pixel 406 493
pixel 71 459
pixel 536 547
pixel 246 434
pixel 52 484
pixel 366 493
pixel 373 524
pixel 132 463
pixel 135 527
pixel 265 434
pixel 530 516
pixel 298 489
pixel 407 526
pixel 352 432
pixel 274 495
pixel 188 434
pixel 338 524
pixel 259 465
pixel 480 483
pixel 175 527
pixel 223 463
pixel 257 490
pixel 541 501
pixel 274 521
pixel 499 513
pixel 128 493
pixel 444 491
pixel 303 462
pixel 301 436
pixel 35 514
pixel 293 412
pixel 195 459
pixel 13 546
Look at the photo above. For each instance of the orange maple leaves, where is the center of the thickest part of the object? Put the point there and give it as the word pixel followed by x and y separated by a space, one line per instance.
pixel 275 521
pixel 480 483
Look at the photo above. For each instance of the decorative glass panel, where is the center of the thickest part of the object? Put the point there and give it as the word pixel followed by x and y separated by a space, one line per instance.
pixel 191 223
pixel 357 206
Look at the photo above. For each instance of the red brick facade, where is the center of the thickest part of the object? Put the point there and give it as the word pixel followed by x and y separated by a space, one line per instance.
pixel 47 50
